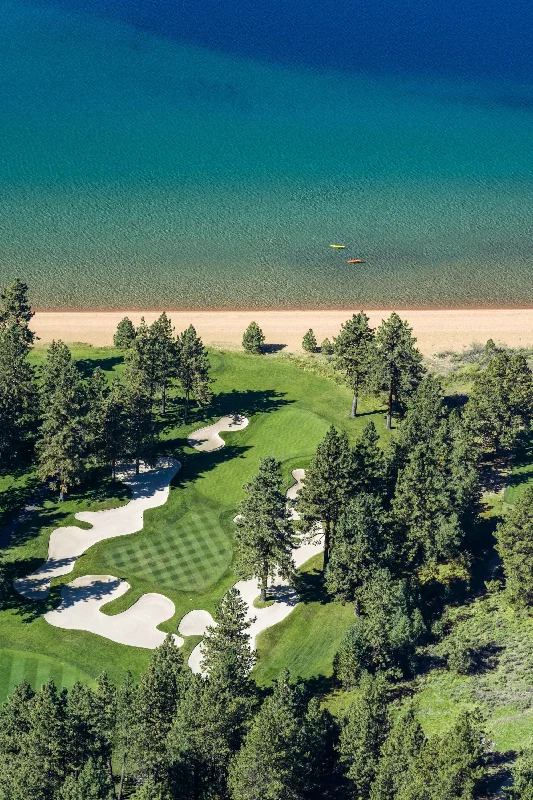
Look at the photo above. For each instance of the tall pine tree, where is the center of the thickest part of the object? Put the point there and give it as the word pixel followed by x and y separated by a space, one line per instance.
pixel 353 349
pixel 397 367
pixel 264 529
pixel 326 489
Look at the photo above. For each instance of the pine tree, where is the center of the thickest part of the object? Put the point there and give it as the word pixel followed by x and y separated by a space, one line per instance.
pixel 16 311
pixel 159 691
pixel 43 762
pixel 253 339
pixel 193 368
pixel 18 399
pixel 105 709
pixel 398 754
pixel 353 349
pixel 272 763
pixel 96 400
pixel 264 530
pixel 142 356
pixel 150 790
pixel 500 405
pixel 515 547
pixel 354 656
pixel 326 489
pixel 309 343
pixel 522 788
pixel 369 466
pixel 92 783
pixel 448 766
pixel 14 730
pixel 326 348
pixel 164 345
pixel 113 437
pixel 125 334
pixel 81 725
pixel 228 641
pixel 62 433
pixel 424 502
pixel 124 730
pixel 362 545
pixel 139 429
pixel 393 624
pixel 397 367
pixel 363 732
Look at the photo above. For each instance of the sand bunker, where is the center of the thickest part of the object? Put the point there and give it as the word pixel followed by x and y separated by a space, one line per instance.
pixel 208 438
pixel 285 596
pixel 137 626
pixel 149 489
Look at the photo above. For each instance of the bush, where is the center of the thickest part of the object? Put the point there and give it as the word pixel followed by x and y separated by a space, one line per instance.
pixel 460 657
pixel 253 338
pixel 309 342
pixel 326 348
pixel 125 334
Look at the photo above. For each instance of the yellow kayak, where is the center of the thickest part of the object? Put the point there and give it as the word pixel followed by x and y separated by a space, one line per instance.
pixel 338 246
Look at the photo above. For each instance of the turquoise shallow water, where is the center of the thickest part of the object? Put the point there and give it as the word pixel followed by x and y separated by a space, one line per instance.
pixel 138 170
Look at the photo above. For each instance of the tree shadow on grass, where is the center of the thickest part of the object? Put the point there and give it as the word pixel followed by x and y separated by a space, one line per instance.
pixel 273 348
pixel 196 466
pixel 87 365
pixel 248 402
pixel 310 587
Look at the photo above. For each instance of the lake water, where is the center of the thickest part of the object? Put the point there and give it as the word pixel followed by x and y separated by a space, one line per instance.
pixel 206 154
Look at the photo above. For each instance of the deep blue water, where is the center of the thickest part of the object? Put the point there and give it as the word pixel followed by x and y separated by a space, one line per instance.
pixel 180 153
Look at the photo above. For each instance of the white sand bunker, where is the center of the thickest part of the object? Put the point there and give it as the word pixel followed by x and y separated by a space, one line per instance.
pixel 137 626
pixel 208 438
pixel 149 489
pixel 285 597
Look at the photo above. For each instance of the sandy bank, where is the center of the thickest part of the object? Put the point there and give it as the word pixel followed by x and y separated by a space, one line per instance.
pixel 435 330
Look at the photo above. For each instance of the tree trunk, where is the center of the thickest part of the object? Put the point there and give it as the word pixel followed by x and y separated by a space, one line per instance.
pixel 62 491
pixel 389 409
pixel 326 544
pixel 122 776
pixel 187 397
pixel 111 776
pixel 354 403
pixel 137 462
pixel 264 582
pixel 113 468
pixel 356 609
pixel 164 397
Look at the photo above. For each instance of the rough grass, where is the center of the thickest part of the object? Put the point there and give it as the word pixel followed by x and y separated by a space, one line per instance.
pixel 307 640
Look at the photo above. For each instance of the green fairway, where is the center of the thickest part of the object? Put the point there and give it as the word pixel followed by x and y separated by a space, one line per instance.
pixel 185 549
pixel 18 665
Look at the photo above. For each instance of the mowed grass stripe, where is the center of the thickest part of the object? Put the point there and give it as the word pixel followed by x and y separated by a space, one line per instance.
pixel 191 554
pixel 36 669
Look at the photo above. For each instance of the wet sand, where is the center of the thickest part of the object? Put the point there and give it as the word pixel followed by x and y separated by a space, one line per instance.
pixel 435 331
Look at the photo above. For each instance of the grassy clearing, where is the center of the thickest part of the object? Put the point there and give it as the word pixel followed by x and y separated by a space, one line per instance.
pixel 307 640
pixel 185 550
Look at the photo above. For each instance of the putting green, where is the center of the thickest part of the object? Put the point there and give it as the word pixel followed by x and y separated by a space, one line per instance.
pixel 191 553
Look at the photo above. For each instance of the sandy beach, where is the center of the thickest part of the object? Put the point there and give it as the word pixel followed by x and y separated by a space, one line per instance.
pixel 435 330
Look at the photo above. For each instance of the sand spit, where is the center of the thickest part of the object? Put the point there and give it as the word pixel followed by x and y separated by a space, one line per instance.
pixel 436 330
pixel 208 439
pixel 149 489
pixel 82 599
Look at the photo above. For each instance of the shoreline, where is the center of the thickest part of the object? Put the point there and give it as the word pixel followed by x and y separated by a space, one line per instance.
pixel 436 330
